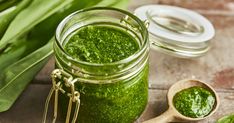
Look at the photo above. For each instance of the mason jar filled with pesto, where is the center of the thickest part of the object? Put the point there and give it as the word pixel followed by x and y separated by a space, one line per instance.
pixel 104 53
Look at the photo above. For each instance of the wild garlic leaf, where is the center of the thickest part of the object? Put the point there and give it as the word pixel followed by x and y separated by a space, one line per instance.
pixel 46 29
pixel 16 77
pixel 36 12
pixel 9 14
pixel 18 50
pixel 7 4
pixel 114 3
pixel 40 34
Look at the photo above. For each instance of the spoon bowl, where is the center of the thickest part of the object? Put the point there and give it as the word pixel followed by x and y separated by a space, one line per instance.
pixel 172 114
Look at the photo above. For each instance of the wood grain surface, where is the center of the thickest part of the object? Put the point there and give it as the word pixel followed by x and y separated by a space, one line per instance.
pixel 215 68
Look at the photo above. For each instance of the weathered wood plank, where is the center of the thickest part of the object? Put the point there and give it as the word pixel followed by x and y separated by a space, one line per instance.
pixel 29 107
pixel 217 6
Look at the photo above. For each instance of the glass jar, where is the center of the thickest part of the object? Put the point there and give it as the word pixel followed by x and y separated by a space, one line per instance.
pixel 177 31
pixel 108 92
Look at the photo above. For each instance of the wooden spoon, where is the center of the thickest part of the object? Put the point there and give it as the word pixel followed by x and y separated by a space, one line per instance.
pixel 172 114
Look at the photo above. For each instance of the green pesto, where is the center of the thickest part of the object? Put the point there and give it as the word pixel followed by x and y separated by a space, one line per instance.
pixel 194 102
pixel 226 119
pixel 101 44
pixel 119 102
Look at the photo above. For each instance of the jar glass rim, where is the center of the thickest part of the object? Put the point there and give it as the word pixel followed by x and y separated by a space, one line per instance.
pixel 126 60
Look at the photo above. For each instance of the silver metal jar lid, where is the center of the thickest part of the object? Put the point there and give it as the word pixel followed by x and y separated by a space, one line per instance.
pixel 177 31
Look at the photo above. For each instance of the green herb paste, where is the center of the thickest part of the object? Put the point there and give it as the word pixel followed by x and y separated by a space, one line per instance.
pixel 194 102
pixel 119 102
pixel 101 44
pixel 226 119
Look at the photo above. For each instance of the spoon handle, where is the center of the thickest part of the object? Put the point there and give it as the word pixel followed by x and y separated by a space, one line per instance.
pixel 166 117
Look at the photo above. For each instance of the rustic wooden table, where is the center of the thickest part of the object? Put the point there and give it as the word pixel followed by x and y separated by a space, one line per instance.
pixel 215 68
